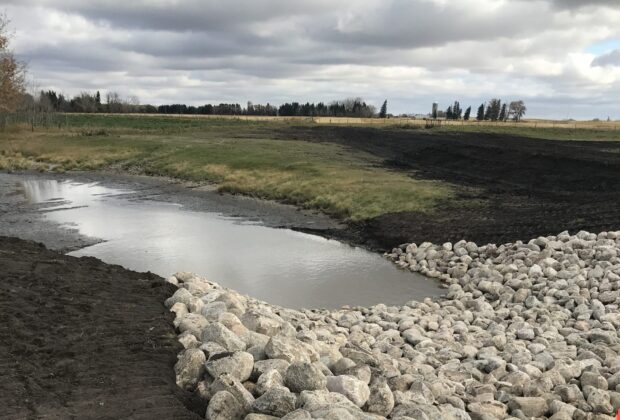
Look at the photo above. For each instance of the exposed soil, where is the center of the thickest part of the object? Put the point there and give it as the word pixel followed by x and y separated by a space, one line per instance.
pixel 510 188
pixel 82 339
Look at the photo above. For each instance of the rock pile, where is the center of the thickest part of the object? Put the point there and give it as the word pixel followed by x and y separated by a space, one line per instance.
pixel 526 330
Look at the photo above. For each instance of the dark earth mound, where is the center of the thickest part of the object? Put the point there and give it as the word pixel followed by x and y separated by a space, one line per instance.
pixel 80 339
pixel 512 188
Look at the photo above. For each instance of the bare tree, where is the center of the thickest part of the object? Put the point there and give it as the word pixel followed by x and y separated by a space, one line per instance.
pixel 517 109
pixel 12 72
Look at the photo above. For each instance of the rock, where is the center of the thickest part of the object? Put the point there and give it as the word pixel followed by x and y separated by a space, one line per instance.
pixel 299 414
pixel 218 333
pixel 355 390
pixel 188 340
pixel 342 366
pixel 190 368
pixel 487 410
pixel 254 416
pixel 224 406
pixel 260 323
pixel 238 364
pixel 526 334
pixel 263 366
pixel 193 323
pixel 592 378
pixel 180 296
pixel 381 400
pixel 228 383
pixel 290 349
pixel 526 330
pixel 304 377
pixel 598 399
pixel 276 402
pixel 315 400
pixel 529 406
pixel 268 380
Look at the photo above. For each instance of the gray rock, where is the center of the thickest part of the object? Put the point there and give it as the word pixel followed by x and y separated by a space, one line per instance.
pixel 218 333
pixel 193 323
pixel 529 406
pixel 263 366
pixel 224 406
pixel 268 380
pixel 304 377
pixel 290 349
pixel 238 364
pixel 355 390
pixel 276 402
pixel 230 384
pixel 381 400
pixel 190 368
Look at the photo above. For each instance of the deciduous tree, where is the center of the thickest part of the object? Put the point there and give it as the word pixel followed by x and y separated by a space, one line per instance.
pixel 12 72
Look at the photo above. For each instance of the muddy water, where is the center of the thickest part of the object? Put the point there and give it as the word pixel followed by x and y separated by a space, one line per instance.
pixel 280 266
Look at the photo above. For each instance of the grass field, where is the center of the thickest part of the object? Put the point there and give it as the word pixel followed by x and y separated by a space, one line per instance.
pixel 254 158
pixel 238 156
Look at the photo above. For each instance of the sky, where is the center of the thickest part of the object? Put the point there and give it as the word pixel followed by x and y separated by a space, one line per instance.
pixel 562 57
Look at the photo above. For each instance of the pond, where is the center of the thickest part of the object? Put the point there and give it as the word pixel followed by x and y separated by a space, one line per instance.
pixel 280 266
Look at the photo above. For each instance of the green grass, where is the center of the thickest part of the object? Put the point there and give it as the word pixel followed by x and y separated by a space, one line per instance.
pixel 239 156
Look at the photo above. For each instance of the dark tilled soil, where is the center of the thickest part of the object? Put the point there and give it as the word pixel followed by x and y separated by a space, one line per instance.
pixel 80 339
pixel 523 188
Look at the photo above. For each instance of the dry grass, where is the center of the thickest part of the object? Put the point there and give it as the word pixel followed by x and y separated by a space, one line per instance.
pixel 238 158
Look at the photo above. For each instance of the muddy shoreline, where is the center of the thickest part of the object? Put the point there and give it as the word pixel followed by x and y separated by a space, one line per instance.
pixel 24 220
pixel 84 339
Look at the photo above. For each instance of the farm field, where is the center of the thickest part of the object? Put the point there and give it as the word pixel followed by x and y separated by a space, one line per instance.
pixel 391 184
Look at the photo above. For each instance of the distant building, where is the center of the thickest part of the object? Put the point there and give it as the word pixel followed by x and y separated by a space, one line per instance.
pixel 435 109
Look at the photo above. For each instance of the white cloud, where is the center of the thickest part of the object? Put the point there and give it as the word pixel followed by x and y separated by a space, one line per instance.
pixel 412 52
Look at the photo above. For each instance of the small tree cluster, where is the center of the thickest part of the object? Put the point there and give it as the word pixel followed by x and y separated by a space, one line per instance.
pixel 495 110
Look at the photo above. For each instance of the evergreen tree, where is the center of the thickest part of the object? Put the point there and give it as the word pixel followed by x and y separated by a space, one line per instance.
pixel 449 113
pixel 467 113
pixel 502 113
pixel 456 111
pixel 480 115
pixel 383 112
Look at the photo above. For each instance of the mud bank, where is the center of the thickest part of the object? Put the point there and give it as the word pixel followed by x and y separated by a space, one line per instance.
pixel 83 339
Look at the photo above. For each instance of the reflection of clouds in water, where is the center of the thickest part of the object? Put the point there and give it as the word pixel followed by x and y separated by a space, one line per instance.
pixel 72 193
pixel 278 265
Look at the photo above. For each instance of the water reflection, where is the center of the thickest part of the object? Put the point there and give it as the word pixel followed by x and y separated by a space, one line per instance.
pixel 278 265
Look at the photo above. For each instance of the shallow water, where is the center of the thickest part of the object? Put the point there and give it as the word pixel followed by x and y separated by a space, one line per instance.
pixel 280 266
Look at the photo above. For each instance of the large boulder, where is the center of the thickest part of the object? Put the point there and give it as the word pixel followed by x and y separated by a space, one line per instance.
pixel 381 400
pixel 304 377
pixel 275 402
pixel 218 333
pixel 238 364
pixel 355 390
pixel 290 349
pixel 190 368
pixel 193 323
pixel 224 406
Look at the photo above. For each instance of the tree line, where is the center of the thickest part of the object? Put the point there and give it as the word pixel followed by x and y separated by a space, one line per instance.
pixel 494 110
pixel 113 103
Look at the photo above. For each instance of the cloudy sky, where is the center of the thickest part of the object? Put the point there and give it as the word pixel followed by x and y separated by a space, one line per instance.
pixel 561 56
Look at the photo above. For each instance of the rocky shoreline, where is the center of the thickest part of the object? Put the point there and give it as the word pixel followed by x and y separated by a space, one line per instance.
pixel 526 330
